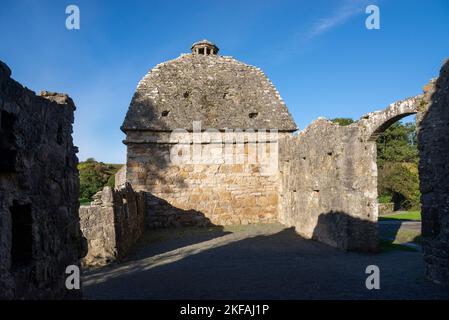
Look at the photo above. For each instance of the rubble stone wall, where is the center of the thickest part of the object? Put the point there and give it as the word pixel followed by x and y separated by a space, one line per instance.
pixel 329 186
pixel 328 178
pixel 112 224
pixel 39 186
pixel 433 142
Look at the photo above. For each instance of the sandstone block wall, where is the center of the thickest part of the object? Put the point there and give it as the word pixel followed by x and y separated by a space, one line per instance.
pixel 199 194
pixel 112 224
pixel 329 186
pixel 39 225
pixel 433 139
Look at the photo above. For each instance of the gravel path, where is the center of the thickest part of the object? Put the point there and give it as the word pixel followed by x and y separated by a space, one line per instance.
pixel 255 262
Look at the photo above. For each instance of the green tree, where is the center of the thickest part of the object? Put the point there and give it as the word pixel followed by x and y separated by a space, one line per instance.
pixel 397 144
pixel 400 182
pixel 343 121
pixel 94 176
pixel 397 162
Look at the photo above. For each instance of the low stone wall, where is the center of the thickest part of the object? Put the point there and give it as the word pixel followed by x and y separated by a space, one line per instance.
pixel 386 208
pixel 112 224
pixel 433 143
pixel 39 186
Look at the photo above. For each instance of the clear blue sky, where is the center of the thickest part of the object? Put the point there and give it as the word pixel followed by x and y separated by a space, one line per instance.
pixel 318 53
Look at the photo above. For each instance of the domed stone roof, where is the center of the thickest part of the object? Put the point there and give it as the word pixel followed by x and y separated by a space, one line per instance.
pixel 219 91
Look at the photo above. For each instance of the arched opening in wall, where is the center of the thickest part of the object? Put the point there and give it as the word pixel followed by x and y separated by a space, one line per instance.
pixel 398 185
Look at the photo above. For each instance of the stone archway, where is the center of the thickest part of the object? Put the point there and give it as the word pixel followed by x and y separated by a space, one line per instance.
pixel 374 123
pixel 372 126
pixel 432 109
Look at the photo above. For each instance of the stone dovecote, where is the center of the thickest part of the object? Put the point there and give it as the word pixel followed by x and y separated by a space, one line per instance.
pixel 219 91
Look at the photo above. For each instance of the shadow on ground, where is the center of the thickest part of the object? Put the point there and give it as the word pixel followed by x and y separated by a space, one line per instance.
pixel 157 241
pixel 258 262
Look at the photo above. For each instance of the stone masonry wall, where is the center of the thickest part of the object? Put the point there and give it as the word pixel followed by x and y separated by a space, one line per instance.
pixel 329 186
pixel 112 224
pixel 329 178
pixel 39 225
pixel 120 178
pixel 433 142
pixel 200 194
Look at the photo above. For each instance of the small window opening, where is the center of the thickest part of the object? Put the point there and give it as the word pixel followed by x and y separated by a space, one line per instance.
pixel 22 237
pixel 253 115
pixel 186 94
pixel 7 121
pixel 201 50
pixel 7 142
pixel 59 136
pixel 165 113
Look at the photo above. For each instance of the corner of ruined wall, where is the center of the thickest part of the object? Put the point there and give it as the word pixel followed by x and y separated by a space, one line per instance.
pixel 112 224
pixel 433 143
pixel 288 179
pixel 329 186
pixel 120 178
pixel 97 225
pixel 38 181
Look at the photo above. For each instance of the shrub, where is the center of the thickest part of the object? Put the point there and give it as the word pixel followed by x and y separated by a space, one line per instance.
pixel 400 182
pixel 343 121
pixel 94 176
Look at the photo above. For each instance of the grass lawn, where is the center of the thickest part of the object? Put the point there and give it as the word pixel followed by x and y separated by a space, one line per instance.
pixel 391 239
pixel 402 237
pixel 405 215
pixel 84 202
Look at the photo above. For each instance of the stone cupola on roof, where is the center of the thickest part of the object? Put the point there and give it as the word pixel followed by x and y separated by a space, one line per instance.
pixel 219 91
pixel 204 47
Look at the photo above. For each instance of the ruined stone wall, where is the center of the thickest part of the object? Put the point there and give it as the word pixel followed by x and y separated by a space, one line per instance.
pixel 120 178
pixel 200 194
pixel 112 224
pixel 39 226
pixel 329 178
pixel 433 142
pixel 329 186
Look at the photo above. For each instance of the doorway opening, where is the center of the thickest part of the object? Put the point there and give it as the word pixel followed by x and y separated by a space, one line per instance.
pixel 22 237
pixel 398 186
